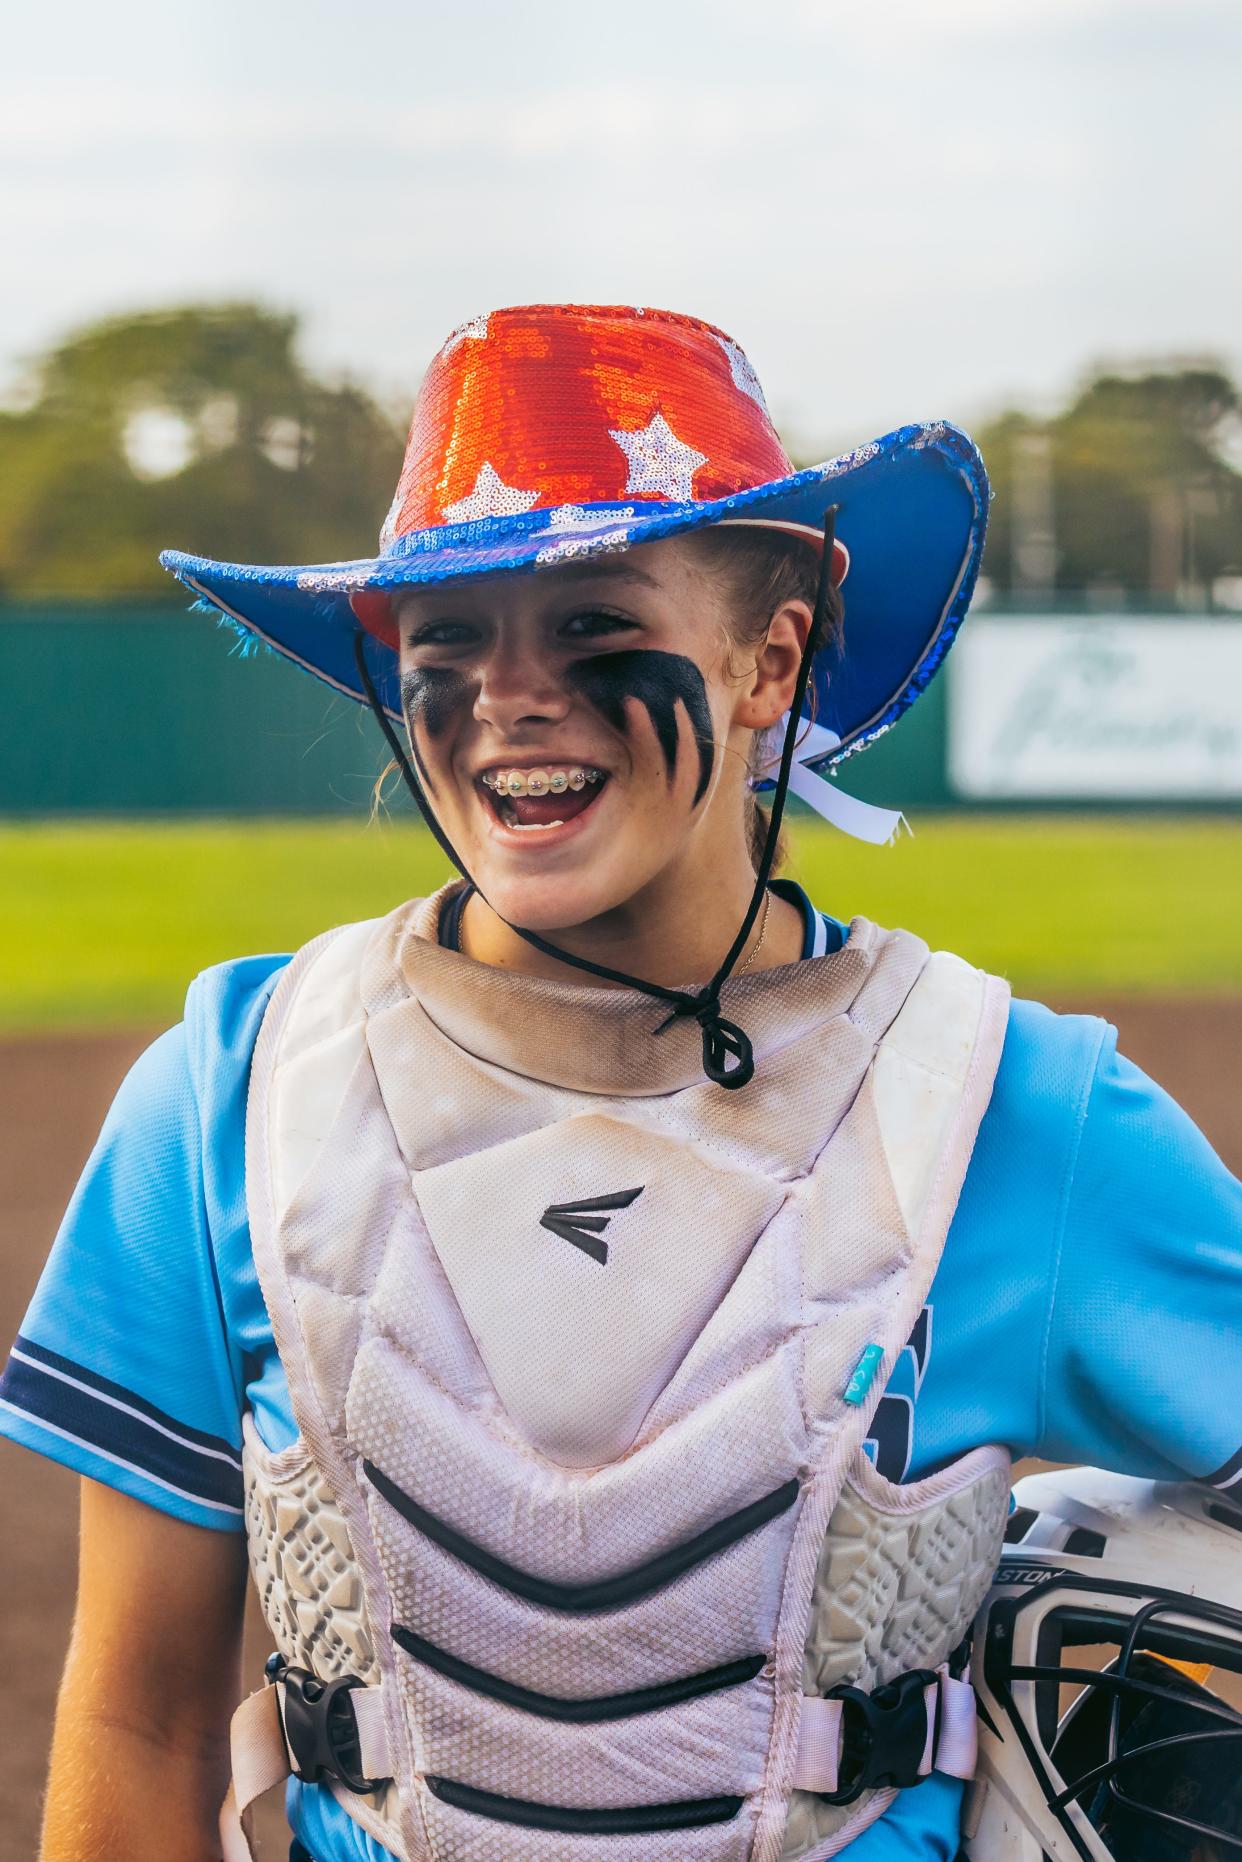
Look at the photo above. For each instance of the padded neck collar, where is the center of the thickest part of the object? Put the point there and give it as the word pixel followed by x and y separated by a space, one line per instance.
pixel 587 1037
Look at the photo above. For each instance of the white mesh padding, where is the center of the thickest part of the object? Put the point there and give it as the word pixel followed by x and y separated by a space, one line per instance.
pixel 720 1741
pixel 497 1492
pixel 578 1350
pixel 575 1419
pixel 303 1565
pixel 901 1574
pixel 310 1585
pixel 464 1838
pixel 705 1618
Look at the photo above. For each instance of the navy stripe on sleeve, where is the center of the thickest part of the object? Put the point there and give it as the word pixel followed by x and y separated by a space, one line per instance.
pixel 103 1415
pixel 1228 1476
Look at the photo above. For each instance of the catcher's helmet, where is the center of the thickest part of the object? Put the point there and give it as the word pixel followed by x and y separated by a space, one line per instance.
pixel 1108 1667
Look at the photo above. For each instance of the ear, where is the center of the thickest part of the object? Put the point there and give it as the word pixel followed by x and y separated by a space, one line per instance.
pixel 767 692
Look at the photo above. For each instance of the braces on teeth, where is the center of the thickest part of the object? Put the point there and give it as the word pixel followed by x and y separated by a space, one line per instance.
pixel 539 781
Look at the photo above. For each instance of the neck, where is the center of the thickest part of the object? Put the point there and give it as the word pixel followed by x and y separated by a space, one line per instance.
pixel 672 932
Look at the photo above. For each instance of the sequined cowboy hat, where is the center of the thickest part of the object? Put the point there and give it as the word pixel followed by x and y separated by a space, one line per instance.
pixel 553 432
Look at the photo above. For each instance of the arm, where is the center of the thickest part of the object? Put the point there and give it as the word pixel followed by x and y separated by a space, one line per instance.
pixel 140 1749
pixel 1143 1352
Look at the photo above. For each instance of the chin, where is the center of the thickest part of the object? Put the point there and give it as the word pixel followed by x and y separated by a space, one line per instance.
pixel 554 900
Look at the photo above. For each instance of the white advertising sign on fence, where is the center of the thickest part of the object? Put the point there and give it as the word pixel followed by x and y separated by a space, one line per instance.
pixel 1107 708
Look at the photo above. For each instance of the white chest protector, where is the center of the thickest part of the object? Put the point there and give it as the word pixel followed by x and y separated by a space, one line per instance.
pixel 582 1350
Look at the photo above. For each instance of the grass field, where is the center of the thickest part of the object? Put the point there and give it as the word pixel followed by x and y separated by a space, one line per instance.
pixel 103 926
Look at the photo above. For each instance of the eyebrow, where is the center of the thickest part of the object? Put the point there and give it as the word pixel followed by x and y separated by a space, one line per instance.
pixel 617 571
pixel 569 572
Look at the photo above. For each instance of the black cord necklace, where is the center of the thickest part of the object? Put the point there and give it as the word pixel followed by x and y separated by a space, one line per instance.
pixel 721 1038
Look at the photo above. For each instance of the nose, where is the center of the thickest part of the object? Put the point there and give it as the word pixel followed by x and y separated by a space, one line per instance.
pixel 520 684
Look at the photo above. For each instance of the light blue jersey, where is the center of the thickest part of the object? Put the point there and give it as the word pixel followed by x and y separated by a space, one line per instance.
pixel 1088 1307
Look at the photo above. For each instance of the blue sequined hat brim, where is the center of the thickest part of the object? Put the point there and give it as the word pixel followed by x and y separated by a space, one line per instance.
pixel 912 512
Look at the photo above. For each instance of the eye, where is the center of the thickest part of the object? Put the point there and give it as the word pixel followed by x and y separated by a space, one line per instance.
pixel 596 623
pixel 443 634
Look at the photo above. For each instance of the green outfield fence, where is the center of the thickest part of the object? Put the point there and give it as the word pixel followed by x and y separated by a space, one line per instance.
pixel 135 710
pixel 154 710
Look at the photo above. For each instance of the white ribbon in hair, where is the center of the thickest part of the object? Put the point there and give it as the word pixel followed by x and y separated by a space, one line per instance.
pixel 861 820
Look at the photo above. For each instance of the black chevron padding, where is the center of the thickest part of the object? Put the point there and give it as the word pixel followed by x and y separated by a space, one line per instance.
pixel 577 1712
pixel 602 1593
pixel 690 1813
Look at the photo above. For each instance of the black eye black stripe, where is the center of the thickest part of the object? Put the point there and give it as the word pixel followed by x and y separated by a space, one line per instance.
pixel 429 693
pixel 577 1712
pixel 603 1593
pixel 659 681
pixel 688 1814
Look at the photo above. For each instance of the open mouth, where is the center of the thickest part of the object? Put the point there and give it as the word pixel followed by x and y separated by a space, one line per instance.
pixel 545 797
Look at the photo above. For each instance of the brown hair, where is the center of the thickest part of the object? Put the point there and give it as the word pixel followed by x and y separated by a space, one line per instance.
pixel 763 569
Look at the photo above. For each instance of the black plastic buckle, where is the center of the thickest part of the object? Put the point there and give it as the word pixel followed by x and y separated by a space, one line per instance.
pixel 883 1735
pixel 321 1731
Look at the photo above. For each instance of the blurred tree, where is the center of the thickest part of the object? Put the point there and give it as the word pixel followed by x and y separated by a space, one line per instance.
pixel 1129 489
pixel 201 429
pixel 197 429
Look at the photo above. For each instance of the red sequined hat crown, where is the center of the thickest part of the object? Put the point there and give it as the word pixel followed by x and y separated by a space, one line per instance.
pixel 555 432
pixel 568 405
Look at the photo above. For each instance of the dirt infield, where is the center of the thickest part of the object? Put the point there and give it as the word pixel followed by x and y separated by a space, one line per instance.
pixel 53 1093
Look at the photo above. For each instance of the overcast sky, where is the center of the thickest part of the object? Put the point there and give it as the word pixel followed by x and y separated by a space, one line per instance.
pixel 900 208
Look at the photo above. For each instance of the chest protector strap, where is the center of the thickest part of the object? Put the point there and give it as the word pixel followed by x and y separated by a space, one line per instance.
pixel 583 1352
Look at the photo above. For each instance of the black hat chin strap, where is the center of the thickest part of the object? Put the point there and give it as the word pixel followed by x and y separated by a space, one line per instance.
pixel 722 1039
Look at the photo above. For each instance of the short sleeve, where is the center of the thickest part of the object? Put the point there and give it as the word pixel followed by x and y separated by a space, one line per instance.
pixel 123 1368
pixel 1142 1366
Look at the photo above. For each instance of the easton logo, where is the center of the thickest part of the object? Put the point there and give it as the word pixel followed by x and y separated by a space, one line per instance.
pixel 584 1222
pixel 1008 1573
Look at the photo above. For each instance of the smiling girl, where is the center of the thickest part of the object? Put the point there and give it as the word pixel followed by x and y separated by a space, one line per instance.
pixel 602 1297
pixel 585 736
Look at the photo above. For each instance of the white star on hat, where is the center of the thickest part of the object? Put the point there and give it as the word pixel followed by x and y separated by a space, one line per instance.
pixel 659 461
pixel 491 497
pixel 743 374
pixel 575 517
pixel 475 331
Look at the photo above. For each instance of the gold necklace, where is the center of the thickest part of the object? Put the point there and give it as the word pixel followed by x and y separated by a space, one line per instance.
pixel 767 902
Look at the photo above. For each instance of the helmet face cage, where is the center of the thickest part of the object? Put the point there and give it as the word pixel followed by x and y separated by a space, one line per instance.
pixel 1146 1763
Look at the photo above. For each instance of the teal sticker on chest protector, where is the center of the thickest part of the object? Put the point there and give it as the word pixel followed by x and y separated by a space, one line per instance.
pixel 864 1373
